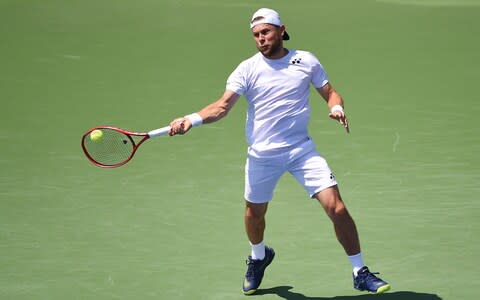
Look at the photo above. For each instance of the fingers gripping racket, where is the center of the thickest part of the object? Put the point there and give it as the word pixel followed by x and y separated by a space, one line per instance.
pixel 111 147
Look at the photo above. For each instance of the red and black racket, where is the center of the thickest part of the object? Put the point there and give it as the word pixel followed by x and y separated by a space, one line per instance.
pixel 111 147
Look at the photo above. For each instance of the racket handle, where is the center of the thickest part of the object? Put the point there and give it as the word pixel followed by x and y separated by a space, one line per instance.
pixel 159 131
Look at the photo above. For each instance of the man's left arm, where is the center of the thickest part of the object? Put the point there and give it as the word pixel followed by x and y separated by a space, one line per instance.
pixel 335 104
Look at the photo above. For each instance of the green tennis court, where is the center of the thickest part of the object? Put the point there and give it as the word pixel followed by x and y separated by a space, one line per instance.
pixel 169 225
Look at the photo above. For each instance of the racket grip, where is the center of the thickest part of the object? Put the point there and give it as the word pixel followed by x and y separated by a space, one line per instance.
pixel 159 131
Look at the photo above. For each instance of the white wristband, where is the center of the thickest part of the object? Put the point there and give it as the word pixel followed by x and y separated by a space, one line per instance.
pixel 335 108
pixel 195 119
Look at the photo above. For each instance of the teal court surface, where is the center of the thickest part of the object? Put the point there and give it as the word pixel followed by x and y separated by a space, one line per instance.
pixel 169 224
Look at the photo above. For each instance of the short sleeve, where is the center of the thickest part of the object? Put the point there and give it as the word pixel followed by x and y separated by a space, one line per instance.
pixel 236 82
pixel 319 76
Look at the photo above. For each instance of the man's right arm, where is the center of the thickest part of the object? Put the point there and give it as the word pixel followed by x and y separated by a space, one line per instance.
pixel 209 114
pixel 220 108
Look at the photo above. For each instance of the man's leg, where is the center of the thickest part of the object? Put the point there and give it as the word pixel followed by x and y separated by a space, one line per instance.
pixel 347 235
pixel 261 255
pixel 255 221
pixel 343 223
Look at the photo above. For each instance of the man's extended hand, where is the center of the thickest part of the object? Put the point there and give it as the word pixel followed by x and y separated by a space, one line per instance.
pixel 341 118
pixel 180 126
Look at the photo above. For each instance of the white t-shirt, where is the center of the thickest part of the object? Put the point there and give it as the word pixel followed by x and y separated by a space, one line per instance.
pixel 277 93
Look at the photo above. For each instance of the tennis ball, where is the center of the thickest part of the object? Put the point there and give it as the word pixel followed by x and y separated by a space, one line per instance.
pixel 96 135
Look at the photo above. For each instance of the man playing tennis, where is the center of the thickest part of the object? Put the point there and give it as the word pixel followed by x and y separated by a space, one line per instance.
pixel 275 83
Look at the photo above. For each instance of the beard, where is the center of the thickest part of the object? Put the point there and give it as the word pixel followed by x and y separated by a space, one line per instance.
pixel 272 50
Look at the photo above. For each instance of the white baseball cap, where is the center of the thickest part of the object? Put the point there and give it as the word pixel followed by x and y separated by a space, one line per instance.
pixel 268 16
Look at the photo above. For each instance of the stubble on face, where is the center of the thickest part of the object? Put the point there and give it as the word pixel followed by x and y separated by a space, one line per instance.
pixel 268 40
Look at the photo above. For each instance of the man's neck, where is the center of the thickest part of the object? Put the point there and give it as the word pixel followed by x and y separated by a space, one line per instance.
pixel 281 53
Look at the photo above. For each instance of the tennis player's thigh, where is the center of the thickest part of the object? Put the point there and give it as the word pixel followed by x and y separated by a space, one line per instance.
pixel 261 177
pixel 312 171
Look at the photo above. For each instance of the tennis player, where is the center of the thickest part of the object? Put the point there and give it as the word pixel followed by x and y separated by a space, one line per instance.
pixel 275 82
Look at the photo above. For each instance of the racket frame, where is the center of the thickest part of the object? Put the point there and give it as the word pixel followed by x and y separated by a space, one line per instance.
pixel 129 134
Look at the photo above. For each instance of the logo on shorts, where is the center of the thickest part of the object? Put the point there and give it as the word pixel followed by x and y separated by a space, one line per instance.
pixel 332 177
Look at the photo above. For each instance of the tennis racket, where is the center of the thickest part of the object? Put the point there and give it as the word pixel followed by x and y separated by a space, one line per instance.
pixel 111 147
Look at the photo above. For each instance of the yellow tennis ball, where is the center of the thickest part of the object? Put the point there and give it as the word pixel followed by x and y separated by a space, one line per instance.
pixel 96 135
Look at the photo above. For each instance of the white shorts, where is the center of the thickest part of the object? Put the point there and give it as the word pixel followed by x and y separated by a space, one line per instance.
pixel 303 162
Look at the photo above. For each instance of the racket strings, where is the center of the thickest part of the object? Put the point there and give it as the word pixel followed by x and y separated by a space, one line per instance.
pixel 112 148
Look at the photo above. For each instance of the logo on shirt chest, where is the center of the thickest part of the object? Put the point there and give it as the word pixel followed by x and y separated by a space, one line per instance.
pixel 296 61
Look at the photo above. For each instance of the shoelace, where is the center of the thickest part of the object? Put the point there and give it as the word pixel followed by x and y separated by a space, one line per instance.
pixel 250 268
pixel 370 275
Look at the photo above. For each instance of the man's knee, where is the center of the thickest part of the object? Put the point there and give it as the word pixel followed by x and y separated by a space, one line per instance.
pixel 332 203
pixel 337 210
pixel 255 210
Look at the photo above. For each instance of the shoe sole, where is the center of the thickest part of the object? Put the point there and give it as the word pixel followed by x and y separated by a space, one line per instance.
pixel 380 290
pixel 251 292
pixel 383 289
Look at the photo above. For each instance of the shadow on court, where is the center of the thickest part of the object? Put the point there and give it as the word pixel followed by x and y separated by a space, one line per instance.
pixel 285 293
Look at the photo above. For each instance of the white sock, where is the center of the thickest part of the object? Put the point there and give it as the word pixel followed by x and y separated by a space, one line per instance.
pixel 258 250
pixel 357 262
